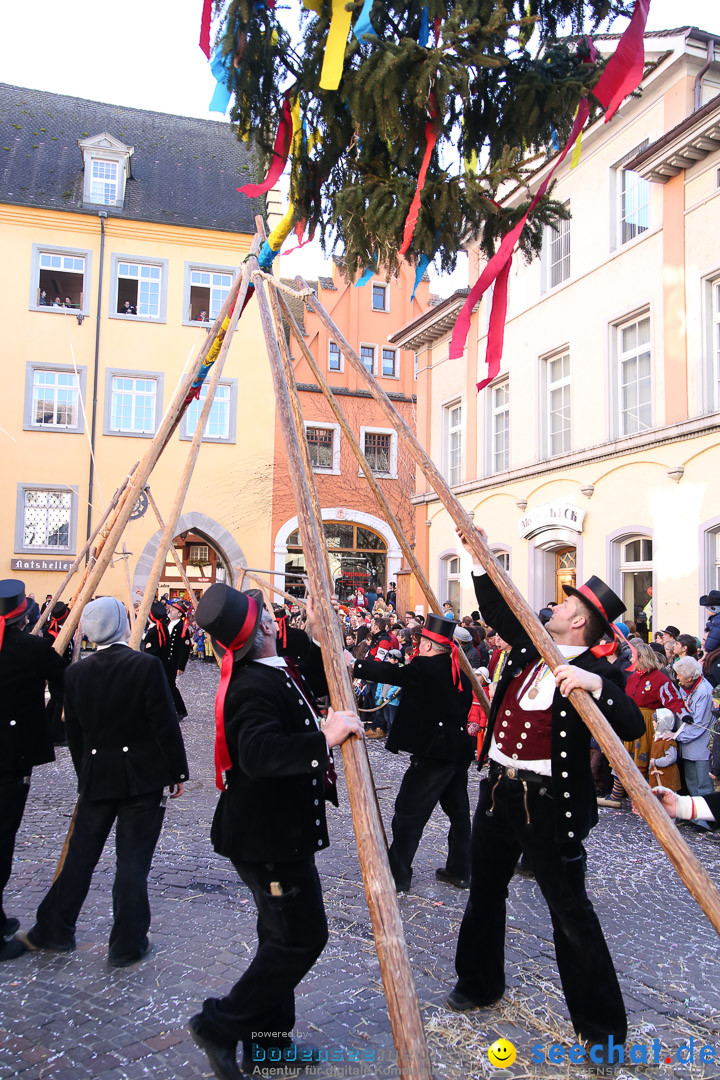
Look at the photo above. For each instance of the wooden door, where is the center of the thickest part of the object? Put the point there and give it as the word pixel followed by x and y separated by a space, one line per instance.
pixel 565 563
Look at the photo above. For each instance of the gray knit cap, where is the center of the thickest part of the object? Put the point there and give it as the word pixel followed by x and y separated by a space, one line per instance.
pixel 461 634
pixel 104 621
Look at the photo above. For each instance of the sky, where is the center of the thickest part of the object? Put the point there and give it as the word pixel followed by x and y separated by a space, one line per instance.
pixel 145 54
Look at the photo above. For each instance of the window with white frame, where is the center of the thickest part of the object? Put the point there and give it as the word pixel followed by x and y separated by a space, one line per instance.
pixel 221 423
pixel 138 289
pixel 453 442
pixel 557 404
pixel 367 355
pixel 715 570
pixel 451 582
pixel 334 357
pixel 634 202
pixel 634 376
pixel 389 363
pixel 60 279
pixel 503 557
pixel 55 400
pixel 500 426
pixel 379 446
pixel 134 404
pixel 415 366
pixel 636 574
pixel 380 298
pixel 323 442
pixel 199 554
pixel 556 252
pixel 208 289
pixel 103 182
pixel 46 519
pixel 713 366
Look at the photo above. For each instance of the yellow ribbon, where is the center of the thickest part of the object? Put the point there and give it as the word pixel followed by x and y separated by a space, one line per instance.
pixel 335 45
pixel 577 151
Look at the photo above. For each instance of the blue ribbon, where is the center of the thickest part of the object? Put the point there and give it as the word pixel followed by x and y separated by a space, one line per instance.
pixel 221 67
pixel 266 256
pixel 363 28
pixel 424 28
pixel 366 275
pixel 422 265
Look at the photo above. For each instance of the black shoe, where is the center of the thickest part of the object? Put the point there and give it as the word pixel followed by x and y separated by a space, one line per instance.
pixel 448 879
pixel 296 1058
pixel 135 960
pixel 10 927
pixel 524 869
pixel 401 887
pixel 222 1059
pixel 11 949
pixel 458 1002
pixel 30 945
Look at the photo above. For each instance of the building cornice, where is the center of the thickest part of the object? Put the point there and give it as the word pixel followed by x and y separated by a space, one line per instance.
pixel 616 448
pixel 345 391
pixel 680 148
pixel 431 325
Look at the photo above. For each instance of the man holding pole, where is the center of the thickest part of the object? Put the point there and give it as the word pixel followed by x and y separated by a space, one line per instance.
pixel 539 800
pixel 274 768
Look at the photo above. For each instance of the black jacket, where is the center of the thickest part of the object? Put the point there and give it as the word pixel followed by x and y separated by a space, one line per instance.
pixel 180 646
pixel 274 806
pixel 122 730
pixel 572 784
pixel 431 719
pixel 26 664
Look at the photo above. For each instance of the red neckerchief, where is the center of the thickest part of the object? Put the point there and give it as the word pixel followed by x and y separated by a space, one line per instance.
pixel 160 623
pixel 223 761
pixel 11 615
pixel 457 681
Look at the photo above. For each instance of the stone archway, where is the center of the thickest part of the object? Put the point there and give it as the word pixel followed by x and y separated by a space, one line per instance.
pixel 225 543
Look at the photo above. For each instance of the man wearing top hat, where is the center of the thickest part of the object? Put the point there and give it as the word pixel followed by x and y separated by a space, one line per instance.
pixel 126 746
pixel 539 799
pixel 431 725
pixel 27 663
pixel 179 649
pixel 273 767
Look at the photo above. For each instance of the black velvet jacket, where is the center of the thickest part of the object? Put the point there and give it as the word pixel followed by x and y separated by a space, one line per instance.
pixel 26 665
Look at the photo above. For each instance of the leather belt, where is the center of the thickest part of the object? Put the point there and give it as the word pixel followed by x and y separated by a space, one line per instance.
pixel 510 772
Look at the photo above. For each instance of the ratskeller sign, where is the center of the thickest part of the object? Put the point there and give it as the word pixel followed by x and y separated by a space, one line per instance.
pixel 41 564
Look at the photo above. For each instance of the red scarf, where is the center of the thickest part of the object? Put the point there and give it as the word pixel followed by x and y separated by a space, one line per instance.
pixel 282 630
pixel 223 761
pixel 160 623
pixel 11 615
pixel 457 681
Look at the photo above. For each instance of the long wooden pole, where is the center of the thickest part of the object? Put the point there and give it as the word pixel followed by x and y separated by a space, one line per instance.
pixel 403 1006
pixel 80 556
pixel 385 508
pixel 119 519
pixel 181 569
pixel 128 585
pixel 168 532
pixel 691 871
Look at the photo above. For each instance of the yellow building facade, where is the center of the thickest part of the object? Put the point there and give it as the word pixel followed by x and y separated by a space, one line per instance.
pixel 121 232
pixel 595 450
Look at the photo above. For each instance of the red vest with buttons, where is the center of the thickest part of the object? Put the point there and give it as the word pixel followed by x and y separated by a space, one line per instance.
pixel 519 733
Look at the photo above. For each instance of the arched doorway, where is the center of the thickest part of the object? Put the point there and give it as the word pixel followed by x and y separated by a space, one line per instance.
pixel 201 543
pixel 358 558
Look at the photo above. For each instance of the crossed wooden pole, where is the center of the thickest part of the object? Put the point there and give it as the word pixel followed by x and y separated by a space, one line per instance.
pixel 403 1006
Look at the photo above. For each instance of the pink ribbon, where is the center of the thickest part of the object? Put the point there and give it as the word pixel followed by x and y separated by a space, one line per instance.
pixel 281 150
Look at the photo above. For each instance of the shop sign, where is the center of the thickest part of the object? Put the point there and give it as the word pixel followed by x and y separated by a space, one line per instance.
pixel 62 565
pixel 553 515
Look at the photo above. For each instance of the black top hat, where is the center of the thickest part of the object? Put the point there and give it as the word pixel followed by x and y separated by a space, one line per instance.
pixel 671 630
pixel 12 598
pixel 230 616
pixel 599 596
pixel 59 611
pixel 439 629
pixel 711 600
pixel 182 604
pixel 158 610
pixel 657 648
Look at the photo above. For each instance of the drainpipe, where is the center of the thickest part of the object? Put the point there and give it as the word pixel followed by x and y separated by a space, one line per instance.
pixel 701 73
pixel 91 478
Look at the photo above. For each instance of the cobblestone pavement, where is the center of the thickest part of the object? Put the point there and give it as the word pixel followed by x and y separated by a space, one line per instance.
pixel 69 1017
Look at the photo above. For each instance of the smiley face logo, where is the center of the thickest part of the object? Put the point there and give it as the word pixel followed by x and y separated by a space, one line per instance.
pixel 501 1054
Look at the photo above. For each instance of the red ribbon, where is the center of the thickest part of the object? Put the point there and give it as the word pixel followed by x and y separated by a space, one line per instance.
pixel 607 648
pixel 205 27
pixel 496 326
pixel 624 69
pixel 282 630
pixel 160 623
pixel 621 76
pixel 11 615
pixel 431 134
pixel 223 761
pixel 441 640
pixel 280 154
pixel 55 624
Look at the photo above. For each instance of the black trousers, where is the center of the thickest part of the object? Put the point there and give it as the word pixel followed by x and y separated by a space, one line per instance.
pixel 500 833
pixel 292 932
pixel 177 697
pixel 14 788
pixel 425 784
pixel 139 820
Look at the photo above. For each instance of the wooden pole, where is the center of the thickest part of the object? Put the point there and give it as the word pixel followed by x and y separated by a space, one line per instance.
pixel 403 1006
pixel 119 519
pixel 186 581
pixel 691 871
pixel 171 524
pixel 385 508
pixel 128 586
pixel 275 588
pixel 80 556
